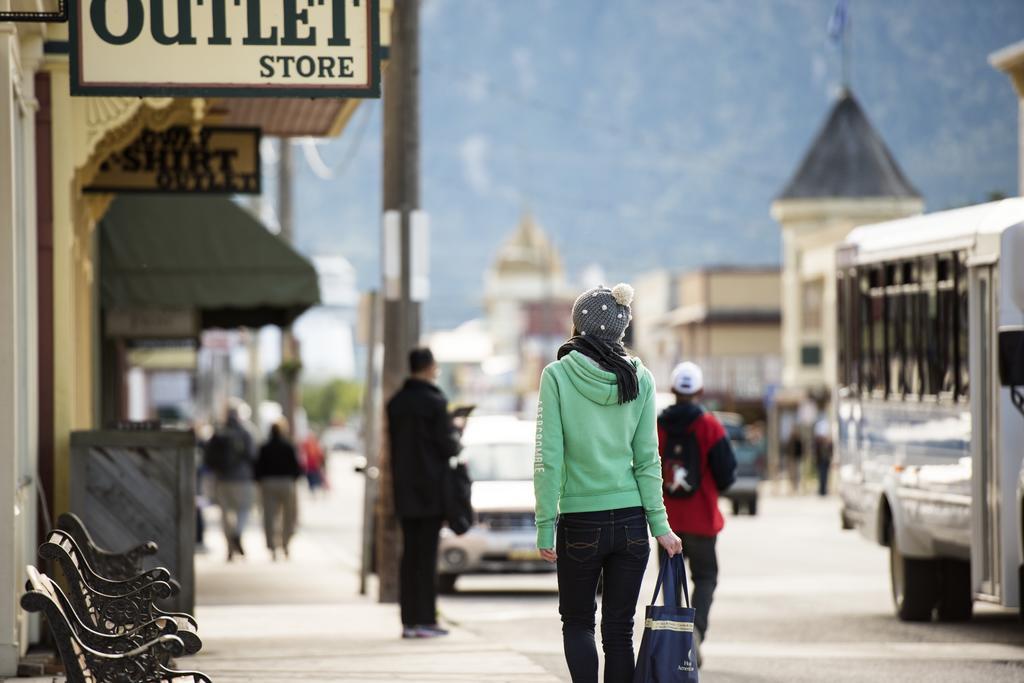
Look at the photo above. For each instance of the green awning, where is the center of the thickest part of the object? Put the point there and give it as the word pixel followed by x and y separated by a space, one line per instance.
pixel 206 254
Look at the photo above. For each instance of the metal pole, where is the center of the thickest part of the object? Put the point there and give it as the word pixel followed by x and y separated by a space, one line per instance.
pixel 371 436
pixel 284 190
pixel 401 192
pixel 285 216
pixel 846 56
pixel 254 382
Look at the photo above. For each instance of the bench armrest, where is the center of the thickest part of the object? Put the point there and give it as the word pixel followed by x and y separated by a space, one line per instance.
pixel 177 616
pixel 62 547
pixel 145 663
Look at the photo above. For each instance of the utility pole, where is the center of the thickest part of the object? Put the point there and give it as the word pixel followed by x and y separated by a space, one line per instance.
pixel 289 372
pixel 371 326
pixel 401 195
pixel 254 379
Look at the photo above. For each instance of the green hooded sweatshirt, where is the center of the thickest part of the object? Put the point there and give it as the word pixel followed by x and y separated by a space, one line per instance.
pixel 594 453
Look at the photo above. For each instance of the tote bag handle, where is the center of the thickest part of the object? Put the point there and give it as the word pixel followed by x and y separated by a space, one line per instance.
pixel 673 576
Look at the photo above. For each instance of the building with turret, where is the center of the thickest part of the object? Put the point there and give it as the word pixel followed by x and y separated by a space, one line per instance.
pixel 847 178
pixel 525 289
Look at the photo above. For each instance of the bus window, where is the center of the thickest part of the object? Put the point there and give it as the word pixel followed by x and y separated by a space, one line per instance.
pixel 842 331
pixel 963 331
pixel 930 372
pixel 879 371
pixel 911 385
pixel 894 332
pixel 853 307
pixel 921 348
pixel 866 354
pixel 947 327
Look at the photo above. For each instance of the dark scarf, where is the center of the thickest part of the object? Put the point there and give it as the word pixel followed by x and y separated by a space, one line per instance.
pixel 610 356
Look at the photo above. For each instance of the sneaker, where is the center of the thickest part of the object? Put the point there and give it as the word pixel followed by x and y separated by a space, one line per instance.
pixel 430 631
pixel 410 632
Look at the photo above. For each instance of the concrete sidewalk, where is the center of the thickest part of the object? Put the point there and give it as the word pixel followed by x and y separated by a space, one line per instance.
pixel 354 641
pixel 303 619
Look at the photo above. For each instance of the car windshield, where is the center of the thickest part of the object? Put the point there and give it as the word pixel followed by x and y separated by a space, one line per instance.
pixel 746 452
pixel 499 461
pixel 735 432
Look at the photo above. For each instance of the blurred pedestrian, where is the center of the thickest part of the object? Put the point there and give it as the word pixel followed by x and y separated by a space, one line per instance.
pixel 313 463
pixel 598 480
pixel 276 470
pixel 795 458
pixel 697 464
pixel 203 431
pixel 423 438
pixel 229 455
pixel 823 453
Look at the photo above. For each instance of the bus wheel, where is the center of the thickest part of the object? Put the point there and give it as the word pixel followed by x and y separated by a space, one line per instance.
pixel 915 584
pixel 956 601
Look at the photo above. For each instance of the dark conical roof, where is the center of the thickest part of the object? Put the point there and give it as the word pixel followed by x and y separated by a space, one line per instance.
pixel 848 159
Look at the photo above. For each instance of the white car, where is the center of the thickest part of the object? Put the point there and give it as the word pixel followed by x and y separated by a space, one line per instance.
pixel 498 451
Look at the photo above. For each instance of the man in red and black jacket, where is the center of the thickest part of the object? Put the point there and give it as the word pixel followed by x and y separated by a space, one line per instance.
pixel 697 464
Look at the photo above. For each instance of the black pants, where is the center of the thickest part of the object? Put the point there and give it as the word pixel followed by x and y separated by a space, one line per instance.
pixel 823 467
pixel 418 589
pixel 703 564
pixel 614 543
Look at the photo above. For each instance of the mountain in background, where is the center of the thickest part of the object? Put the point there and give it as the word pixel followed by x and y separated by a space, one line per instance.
pixel 656 134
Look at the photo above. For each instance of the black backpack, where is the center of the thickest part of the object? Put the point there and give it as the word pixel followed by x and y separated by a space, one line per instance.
pixel 223 451
pixel 681 461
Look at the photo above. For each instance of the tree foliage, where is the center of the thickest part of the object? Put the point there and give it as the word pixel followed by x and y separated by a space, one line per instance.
pixel 329 402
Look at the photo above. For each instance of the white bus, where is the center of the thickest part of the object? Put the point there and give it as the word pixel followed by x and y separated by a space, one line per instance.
pixel 929 420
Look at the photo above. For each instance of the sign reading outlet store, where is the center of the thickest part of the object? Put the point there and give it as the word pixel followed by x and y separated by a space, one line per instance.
pixel 225 48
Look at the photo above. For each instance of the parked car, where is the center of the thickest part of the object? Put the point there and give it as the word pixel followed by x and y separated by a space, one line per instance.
pixel 750 465
pixel 498 451
pixel 340 439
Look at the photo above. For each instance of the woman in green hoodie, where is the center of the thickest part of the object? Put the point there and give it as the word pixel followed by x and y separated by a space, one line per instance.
pixel 597 478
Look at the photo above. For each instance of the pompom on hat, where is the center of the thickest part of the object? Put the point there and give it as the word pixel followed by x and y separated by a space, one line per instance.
pixel 604 313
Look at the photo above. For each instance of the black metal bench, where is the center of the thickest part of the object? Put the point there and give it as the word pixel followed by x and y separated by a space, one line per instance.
pixel 87 655
pixel 112 565
pixel 104 642
pixel 115 607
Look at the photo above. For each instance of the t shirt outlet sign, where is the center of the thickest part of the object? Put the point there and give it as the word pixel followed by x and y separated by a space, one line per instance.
pixel 225 48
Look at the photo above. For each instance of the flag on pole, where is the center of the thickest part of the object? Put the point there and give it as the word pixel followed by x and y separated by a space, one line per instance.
pixel 837 22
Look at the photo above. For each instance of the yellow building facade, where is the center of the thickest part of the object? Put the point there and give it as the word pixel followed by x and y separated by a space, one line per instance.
pixel 43 170
pixel 725 319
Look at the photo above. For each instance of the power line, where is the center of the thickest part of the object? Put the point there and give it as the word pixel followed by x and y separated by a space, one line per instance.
pixel 348 157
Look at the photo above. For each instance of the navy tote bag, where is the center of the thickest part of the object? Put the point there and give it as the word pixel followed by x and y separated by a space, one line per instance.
pixel 667 653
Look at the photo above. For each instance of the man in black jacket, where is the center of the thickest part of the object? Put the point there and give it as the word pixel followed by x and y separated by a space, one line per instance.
pixel 423 438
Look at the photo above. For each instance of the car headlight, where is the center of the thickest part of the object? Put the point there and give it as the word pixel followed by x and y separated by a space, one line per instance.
pixel 455 557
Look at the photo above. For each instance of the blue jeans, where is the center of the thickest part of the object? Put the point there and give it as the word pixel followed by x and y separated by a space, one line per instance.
pixel 615 544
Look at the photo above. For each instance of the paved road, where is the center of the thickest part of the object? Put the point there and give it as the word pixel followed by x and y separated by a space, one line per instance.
pixel 799 600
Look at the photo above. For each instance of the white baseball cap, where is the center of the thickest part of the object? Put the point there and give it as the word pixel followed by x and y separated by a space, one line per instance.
pixel 687 378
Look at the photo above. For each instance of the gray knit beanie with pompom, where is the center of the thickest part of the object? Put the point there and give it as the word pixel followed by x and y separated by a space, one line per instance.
pixel 603 313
